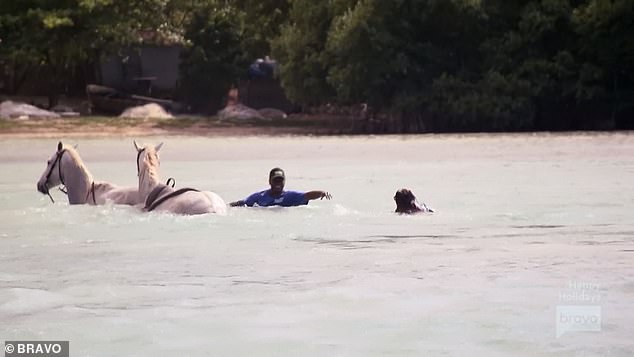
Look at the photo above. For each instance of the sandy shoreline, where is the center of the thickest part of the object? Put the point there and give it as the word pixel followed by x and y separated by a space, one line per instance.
pixel 109 127
pixel 113 127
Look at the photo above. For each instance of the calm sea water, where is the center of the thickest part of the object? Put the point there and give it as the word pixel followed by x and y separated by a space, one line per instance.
pixel 530 252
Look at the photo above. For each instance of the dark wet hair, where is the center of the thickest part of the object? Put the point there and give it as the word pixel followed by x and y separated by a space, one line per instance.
pixel 405 201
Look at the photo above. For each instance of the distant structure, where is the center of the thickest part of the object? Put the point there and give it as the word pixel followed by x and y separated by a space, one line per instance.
pixel 147 70
pixel 262 89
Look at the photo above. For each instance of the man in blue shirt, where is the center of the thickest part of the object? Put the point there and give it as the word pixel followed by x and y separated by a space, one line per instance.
pixel 276 196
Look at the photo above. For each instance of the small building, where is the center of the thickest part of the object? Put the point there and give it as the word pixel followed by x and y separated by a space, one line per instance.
pixel 146 70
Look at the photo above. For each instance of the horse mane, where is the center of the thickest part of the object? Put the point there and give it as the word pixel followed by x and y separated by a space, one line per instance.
pixel 151 157
pixel 151 162
pixel 79 163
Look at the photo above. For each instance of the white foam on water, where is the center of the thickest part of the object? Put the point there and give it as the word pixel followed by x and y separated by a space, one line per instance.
pixel 22 301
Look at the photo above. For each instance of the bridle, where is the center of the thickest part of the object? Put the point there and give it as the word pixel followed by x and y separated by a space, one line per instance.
pixel 138 166
pixel 58 162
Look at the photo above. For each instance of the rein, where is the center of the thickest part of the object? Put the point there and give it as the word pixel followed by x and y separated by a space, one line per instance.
pixel 158 202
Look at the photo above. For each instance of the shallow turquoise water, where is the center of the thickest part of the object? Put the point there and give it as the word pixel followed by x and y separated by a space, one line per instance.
pixel 525 224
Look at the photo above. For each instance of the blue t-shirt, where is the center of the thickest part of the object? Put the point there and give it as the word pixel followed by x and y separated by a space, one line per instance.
pixel 287 199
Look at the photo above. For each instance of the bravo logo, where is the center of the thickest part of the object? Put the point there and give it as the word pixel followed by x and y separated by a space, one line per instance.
pixel 578 318
pixel 39 348
pixel 36 348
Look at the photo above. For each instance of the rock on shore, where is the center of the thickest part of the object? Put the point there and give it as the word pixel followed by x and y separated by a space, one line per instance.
pixel 17 110
pixel 240 112
pixel 272 113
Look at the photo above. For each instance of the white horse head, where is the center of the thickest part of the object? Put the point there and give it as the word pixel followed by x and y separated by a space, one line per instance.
pixel 66 168
pixel 165 198
pixel 147 164
pixel 52 175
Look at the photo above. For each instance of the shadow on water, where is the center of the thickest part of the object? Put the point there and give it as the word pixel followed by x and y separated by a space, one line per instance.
pixel 539 226
pixel 397 237
pixel 368 241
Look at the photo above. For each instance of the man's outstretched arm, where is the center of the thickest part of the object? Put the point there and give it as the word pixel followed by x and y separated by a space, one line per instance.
pixel 249 201
pixel 313 195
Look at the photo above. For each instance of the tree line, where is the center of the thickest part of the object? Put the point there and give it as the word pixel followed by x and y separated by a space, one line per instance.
pixel 414 65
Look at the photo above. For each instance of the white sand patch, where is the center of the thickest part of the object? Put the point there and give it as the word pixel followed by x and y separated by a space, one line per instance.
pixel 151 110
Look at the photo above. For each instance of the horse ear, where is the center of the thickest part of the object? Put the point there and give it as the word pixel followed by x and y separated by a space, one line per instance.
pixel 136 146
pixel 59 146
pixel 158 147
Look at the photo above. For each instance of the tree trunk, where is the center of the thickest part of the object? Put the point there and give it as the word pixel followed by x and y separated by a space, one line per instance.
pixel 53 97
pixel 53 87
pixel 17 76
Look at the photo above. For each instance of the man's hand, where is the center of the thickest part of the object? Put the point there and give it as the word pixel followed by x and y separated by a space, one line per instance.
pixel 325 195
pixel 313 195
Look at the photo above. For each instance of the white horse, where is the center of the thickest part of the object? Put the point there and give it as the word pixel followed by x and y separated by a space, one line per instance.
pixel 160 197
pixel 66 168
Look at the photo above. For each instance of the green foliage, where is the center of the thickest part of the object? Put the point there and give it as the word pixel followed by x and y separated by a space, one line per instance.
pixel 388 54
pixel 418 64
pixel 300 50
pixel 261 21
pixel 56 37
pixel 606 51
pixel 214 59
pixel 397 46
pixel 475 65
pixel 495 102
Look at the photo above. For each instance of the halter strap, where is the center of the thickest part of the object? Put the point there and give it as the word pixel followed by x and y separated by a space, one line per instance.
pixel 91 192
pixel 58 162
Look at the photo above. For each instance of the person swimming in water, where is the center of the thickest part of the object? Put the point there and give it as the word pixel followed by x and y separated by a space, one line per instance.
pixel 276 196
pixel 406 203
